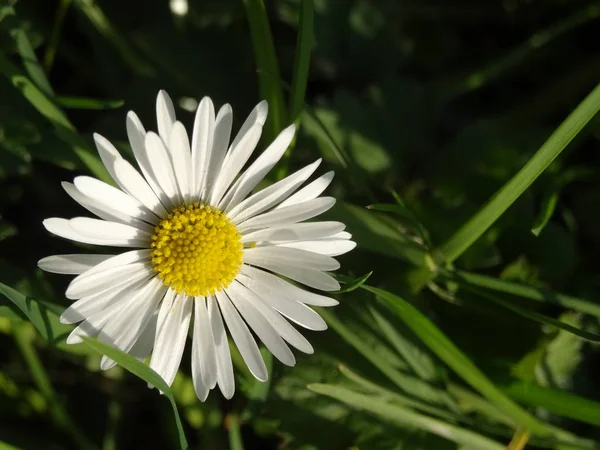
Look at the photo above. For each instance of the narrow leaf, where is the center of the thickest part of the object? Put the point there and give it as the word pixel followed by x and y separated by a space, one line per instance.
pixel 512 190
pixel 88 103
pixel 351 284
pixel 304 43
pixel 266 63
pixel 546 210
pixel 406 418
pixel 142 371
pixel 403 212
pixel 439 344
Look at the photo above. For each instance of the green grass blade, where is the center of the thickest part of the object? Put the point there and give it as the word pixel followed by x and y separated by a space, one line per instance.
pixel 556 401
pixel 52 45
pixel 546 210
pixel 404 213
pixel 235 436
pixel 88 103
pixel 529 292
pixel 142 371
pixel 406 418
pixel 511 191
pixel 266 63
pixel 42 380
pixel 30 61
pixel 419 361
pixel 535 316
pixel 304 44
pixel 351 284
pixel 64 129
pixel 375 388
pixel 43 318
pixel 439 344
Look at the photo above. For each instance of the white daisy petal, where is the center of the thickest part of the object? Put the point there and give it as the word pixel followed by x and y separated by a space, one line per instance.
pixel 220 143
pixel 62 227
pixel 295 232
pixel 108 153
pixel 165 115
pixel 111 231
pixel 341 235
pixel 94 303
pixel 92 325
pixel 123 330
pixel 204 357
pixel 137 139
pixel 289 214
pixel 115 198
pixel 242 299
pixel 257 116
pixel 143 346
pixel 242 337
pixel 170 339
pixel 135 184
pixel 328 247
pixel 268 197
pixel 225 378
pixel 101 209
pixel 275 284
pixel 161 165
pixel 105 279
pixel 309 192
pixel 273 256
pixel 279 323
pixel 202 139
pixel 293 310
pixel 232 165
pixel 71 264
pixel 179 144
pixel 122 259
pixel 263 164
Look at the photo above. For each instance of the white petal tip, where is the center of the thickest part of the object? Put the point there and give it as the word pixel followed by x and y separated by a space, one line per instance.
pixel 74 339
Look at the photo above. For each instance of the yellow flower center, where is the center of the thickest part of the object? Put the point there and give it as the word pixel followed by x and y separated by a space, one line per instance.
pixel 196 250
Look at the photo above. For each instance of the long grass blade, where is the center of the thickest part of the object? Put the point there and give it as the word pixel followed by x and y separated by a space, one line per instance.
pixel 266 63
pixel 439 344
pixel 304 44
pixel 511 191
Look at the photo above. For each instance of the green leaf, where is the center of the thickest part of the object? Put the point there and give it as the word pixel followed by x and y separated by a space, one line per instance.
pixel 556 401
pixel 142 371
pixel 304 44
pixel 351 284
pixel 419 361
pixel 88 103
pixel 511 191
pixel 406 418
pixel 530 292
pixel 535 316
pixel 439 344
pixel 546 210
pixel 63 127
pixel 266 64
pixel 405 213
pixel 43 317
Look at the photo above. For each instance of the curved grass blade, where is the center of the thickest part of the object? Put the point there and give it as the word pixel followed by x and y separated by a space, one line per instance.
pixel 43 317
pixel 142 371
pixel 537 317
pixel 266 61
pixel 304 44
pixel 530 292
pixel 556 401
pixel 88 103
pixel 63 127
pixel 406 418
pixel 439 344
pixel 512 190
pixel 351 284
pixel 547 208
pixel 406 214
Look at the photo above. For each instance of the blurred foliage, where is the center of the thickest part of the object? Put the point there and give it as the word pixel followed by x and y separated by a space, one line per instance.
pixel 424 109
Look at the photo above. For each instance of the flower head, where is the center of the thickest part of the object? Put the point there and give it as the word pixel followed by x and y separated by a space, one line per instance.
pixel 204 251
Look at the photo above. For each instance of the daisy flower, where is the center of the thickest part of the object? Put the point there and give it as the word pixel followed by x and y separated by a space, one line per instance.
pixel 201 250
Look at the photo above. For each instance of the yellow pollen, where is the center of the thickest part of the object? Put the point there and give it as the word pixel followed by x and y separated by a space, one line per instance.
pixel 196 250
